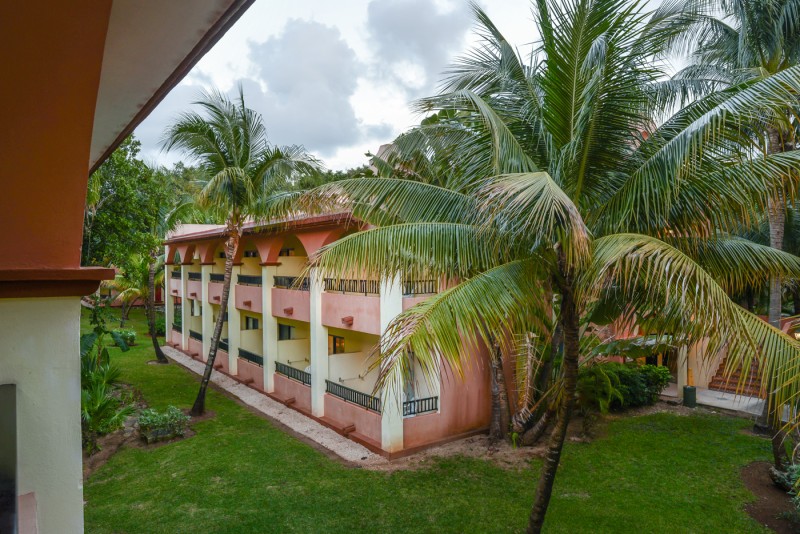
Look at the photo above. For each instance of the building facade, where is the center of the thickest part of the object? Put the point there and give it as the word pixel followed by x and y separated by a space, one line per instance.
pixel 311 342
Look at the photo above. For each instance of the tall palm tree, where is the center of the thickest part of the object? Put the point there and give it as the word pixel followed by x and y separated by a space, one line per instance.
pixel 240 172
pixel 739 42
pixel 576 197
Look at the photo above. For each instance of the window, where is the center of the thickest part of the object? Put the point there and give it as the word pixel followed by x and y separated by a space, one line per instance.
pixel 335 345
pixel 286 252
pixel 250 323
pixel 250 253
pixel 285 332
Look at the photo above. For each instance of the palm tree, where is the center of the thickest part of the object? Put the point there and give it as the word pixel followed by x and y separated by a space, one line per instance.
pixel 240 173
pixel 576 197
pixel 740 42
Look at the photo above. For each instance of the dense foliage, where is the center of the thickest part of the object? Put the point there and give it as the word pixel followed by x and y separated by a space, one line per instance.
pixel 156 426
pixel 616 386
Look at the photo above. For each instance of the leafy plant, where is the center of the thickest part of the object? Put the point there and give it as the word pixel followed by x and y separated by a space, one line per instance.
pixel 161 325
pixel 155 425
pixel 615 386
pixel 129 336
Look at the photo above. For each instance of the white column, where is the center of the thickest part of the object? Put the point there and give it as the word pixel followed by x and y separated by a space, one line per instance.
pixel 208 313
pixel 270 331
pixel 234 324
pixel 391 305
pixel 169 303
pixel 319 346
pixel 186 312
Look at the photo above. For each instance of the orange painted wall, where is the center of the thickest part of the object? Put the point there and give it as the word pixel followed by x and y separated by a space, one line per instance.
pixel 196 287
pixel 249 370
pixel 290 298
pixel 174 336
pixel 214 290
pixel 248 293
pixel 175 286
pixel 196 347
pixel 463 406
pixel 57 50
pixel 222 359
pixel 286 388
pixel 345 414
pixel 408 302
pixel 365 311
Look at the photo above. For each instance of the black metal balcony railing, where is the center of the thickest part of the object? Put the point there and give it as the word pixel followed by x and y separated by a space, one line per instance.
pixel 175 274
pixel 177 327
pixel 223 344
pixel 251 357
pixel 195 335
pixel 356 397
pixel 420 287
pixel 195 276
pixel 216 277
pixel 294 374
pixel 418 406
pixel 341 285
pixel 292 282
pixel 249 280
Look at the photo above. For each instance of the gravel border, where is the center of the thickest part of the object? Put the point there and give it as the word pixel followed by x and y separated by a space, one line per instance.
pixel 326 438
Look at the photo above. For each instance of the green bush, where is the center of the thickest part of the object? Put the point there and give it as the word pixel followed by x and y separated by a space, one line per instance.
pixel 128 336
pixel 617 386
pixel 155 426
pixel 161 325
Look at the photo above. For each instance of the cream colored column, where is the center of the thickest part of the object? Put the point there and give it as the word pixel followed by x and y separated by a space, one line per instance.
pixel 683 366
pixel 234 324
pixel 270 331
pixel 208 312
pixel 319 346
pixel 186 312
pixel 40 356
pixel 169 303
pixel 391 304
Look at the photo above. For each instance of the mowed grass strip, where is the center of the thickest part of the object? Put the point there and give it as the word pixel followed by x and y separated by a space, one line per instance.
pixel 657 473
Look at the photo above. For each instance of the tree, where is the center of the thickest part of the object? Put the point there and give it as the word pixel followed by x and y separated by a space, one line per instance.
pixel 240 175
pixel 571 183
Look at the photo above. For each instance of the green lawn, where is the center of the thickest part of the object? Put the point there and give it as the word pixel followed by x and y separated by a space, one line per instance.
pixel 658 473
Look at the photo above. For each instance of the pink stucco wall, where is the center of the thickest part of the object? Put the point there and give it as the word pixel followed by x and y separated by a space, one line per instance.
pixel 251 293
pixel 223 360
pixel 291 298
pixel 214 290
pixel 249 370
pixel 344 414
pixel 175 337
pixel 365 311
pixel 411 301
pixel 463 406
pixel 196 347
pixel 196 287
pixel 175 286
pixel 286 388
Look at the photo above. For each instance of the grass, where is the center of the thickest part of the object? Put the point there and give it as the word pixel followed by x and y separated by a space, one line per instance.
pixel 656 473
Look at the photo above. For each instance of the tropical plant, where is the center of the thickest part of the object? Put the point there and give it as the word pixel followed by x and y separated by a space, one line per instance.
pixel 157 426
pixel 239 174
pixel 575 197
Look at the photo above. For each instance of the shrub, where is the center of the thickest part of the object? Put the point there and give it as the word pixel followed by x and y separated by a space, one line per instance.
pixel 161 326
pixel 617 386
pixel 128 336
pixel 155 426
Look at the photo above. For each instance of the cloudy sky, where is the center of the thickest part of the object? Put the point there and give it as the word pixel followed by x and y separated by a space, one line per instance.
pixel 336 76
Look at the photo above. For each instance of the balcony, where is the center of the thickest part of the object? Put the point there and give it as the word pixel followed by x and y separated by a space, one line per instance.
pixel 223 345
pixel 360 313
pixel 291 304
pixel 216 277
pixel 249 280
pixel 195 335
pixel 175 274
pixel 177 327
pixel 195 276
pixel 420 406
pixel 251 357
pixel 295 374
pixel 413 288
pixel 352 396
pixel 291 282
pixel 358 287
pixel 248 297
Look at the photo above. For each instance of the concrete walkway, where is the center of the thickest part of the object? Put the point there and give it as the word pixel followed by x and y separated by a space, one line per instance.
pixel 325 437
pixel 746 406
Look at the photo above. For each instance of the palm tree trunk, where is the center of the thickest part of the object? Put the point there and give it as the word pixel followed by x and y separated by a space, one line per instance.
pixel 231 246
pixel 150 308
pixel 501 417
pixel 123 314
pixel 569 321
